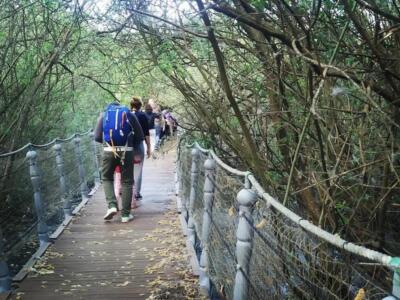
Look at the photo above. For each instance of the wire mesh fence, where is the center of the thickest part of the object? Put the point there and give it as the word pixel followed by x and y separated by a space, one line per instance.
pixel 88 160
pixel 185 161
pixel 18 214
pixel 198 206
pixel 300 266
pixel 71 167
pixel 222 240
pixel 287 261
pixel 50 187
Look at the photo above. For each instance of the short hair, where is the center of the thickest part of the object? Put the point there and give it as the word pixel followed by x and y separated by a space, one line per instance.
pixel 136 103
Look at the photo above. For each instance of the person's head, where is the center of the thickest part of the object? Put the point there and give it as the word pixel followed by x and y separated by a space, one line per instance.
pixel 157 109
pixel 148 108
pixel 152 102
pixel 136 104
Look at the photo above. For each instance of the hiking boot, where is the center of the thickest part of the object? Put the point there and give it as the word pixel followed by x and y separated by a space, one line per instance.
pixel 138 197
pixel 111 212
pixel 127 219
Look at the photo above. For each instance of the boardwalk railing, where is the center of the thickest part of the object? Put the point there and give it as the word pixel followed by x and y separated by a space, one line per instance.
pixel 252 247
pixel 41 187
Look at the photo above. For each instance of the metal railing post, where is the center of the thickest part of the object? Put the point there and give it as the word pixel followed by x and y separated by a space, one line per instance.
pixel 209 166
pixel 244 245
pixel 96 161
pixel 63 186
pixel 184 201
pixel 396 280
pixel 36 182
pixel 193 183
pixel 5 279
pixel 78 154
pixel 177 183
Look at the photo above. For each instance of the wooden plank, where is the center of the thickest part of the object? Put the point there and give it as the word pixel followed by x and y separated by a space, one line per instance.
pixel 80 206
pixel 178 204
pixel 194 263
pixel 27 267
pixel 94 189
pixel 183 224
pixel 61 228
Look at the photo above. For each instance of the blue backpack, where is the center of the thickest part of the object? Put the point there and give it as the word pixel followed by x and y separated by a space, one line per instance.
pixel 116 126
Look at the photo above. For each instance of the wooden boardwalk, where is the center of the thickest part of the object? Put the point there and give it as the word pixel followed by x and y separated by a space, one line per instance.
pixel 94 259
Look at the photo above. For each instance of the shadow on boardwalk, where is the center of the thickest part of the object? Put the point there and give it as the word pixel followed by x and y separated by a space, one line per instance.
pixel 97 260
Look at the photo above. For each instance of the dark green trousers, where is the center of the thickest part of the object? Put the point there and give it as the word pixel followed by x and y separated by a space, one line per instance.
pixel 110 161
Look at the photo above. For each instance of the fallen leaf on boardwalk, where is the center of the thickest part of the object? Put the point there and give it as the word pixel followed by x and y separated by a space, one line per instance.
pixel 170 260
pixel 45 272
pixel 123 284
pixel 41 267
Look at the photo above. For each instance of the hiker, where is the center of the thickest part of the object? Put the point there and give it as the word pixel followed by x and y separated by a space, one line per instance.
pixel 139 147
pixel 171 124
pixel 158 122
pixel 117 128
pixel 151 116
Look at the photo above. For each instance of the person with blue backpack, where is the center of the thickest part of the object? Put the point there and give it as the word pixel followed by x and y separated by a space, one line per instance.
pixel 118 129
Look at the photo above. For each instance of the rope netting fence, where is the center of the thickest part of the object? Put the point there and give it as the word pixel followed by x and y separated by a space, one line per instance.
pixel 224 222
pixel 39 189
pixel 262 250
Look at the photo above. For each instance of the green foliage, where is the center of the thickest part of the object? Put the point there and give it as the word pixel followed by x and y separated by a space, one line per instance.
pixel 343 153
pixel 259 4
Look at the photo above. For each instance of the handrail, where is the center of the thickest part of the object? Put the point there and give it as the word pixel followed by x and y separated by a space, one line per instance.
pixel 220 162
pixel 197 145
pixel 386 260
pixel 30 145
pixel 324 235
